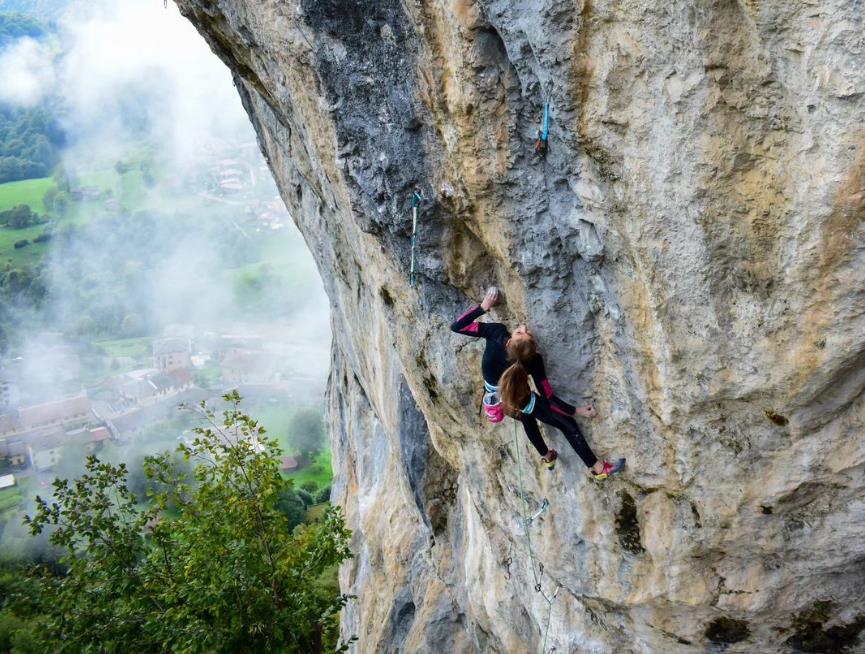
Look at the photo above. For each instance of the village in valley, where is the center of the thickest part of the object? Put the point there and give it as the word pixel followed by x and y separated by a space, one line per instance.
pixel 50 416
pixel 70 393
pixel 164 332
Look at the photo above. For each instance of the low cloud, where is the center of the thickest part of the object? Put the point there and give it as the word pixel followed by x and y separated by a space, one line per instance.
pixel 27 69
pixel 135 62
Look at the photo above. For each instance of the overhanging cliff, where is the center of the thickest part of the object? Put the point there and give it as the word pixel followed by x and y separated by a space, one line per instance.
pixel 691 254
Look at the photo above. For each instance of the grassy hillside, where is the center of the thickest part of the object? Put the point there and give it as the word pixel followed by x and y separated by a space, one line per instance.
pixel 319 471
pixel 136 348
pixel 28 191
pixel 27 256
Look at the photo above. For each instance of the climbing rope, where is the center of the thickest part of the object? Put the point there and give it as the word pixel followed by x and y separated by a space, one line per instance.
pixel 543 135
pixel 416 199
pixel 527 520
pixel 546 134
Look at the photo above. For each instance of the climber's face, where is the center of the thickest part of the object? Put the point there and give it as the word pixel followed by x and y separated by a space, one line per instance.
pixel 521 345
pixel 522 332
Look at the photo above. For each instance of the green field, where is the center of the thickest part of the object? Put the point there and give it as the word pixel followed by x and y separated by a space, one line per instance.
pixel 276 420
pixel 10 498
pixel 128 188
pixel 102 179
pixel 319 471
pixel 28 191
pixel 26 256
pixel 136 348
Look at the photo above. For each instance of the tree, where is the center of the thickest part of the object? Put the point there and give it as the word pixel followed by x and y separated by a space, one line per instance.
pixel 85 326
pixel 291 506
pixel 132 325
pixel 19 216
pixel 306 433
pixel 226 574
pixel 30 140
pixel 49 197
pixel 305 497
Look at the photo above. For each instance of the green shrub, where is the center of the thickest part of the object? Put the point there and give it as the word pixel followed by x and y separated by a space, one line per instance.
pixel 306 498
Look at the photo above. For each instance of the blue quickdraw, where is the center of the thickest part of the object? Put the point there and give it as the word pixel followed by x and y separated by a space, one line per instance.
pixel 546 133
pixel 542 143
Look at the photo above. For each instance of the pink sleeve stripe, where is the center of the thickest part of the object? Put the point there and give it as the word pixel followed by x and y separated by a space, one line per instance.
pixel 470 329
pixel 464 314
pixel 560 411
pixel 548 390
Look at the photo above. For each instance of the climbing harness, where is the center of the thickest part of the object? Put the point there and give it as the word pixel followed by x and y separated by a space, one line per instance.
pixel 416 199
pixel 527 520
pixel 542 144
pixel 492 406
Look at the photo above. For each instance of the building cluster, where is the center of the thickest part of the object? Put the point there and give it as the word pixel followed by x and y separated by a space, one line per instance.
pixel 34 436
pixel 231 176
pixel 43 408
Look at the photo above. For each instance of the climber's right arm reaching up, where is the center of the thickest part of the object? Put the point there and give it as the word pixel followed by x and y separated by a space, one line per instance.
pixel 467 323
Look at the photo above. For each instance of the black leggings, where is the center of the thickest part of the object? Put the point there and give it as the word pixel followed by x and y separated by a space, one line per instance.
pixel 566 424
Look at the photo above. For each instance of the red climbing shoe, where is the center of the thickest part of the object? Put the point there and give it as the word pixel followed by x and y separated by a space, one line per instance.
pixel 609 469
pixel 549 459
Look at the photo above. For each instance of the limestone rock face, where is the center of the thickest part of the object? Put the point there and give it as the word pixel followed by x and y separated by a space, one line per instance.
pixel 690 255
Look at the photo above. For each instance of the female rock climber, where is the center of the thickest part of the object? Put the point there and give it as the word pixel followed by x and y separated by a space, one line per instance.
pixel 508 361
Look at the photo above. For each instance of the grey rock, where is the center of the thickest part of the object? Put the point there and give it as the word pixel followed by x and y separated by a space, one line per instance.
pixel 690 255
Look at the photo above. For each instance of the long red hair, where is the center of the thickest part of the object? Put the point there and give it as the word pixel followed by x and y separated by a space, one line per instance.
pixel 514 383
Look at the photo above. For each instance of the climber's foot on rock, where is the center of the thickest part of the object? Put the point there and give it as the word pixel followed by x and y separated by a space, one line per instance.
pixel 608 468
pixel 549 459
pixel 588 411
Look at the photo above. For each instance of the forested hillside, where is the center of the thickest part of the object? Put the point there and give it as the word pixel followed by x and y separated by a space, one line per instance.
pixel 30 136
pixel 29 143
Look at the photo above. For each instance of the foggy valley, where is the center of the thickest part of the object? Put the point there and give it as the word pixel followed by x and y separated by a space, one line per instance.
pixel 157 265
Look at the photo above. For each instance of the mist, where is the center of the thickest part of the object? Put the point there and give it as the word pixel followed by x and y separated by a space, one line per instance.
pixel 167 239
pixel 27 71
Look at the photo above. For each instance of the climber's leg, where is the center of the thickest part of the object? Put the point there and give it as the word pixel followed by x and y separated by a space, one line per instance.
pixel 568 426
pixel 600 469
pixel 534 433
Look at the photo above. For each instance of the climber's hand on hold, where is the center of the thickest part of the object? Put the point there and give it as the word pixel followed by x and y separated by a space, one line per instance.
pixel 491 298
pixel 587 411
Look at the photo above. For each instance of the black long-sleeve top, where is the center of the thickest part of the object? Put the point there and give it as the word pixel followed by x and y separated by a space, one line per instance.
pixel 495 360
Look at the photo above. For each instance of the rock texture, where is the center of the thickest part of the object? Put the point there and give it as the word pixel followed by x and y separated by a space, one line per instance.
pixel 691 255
